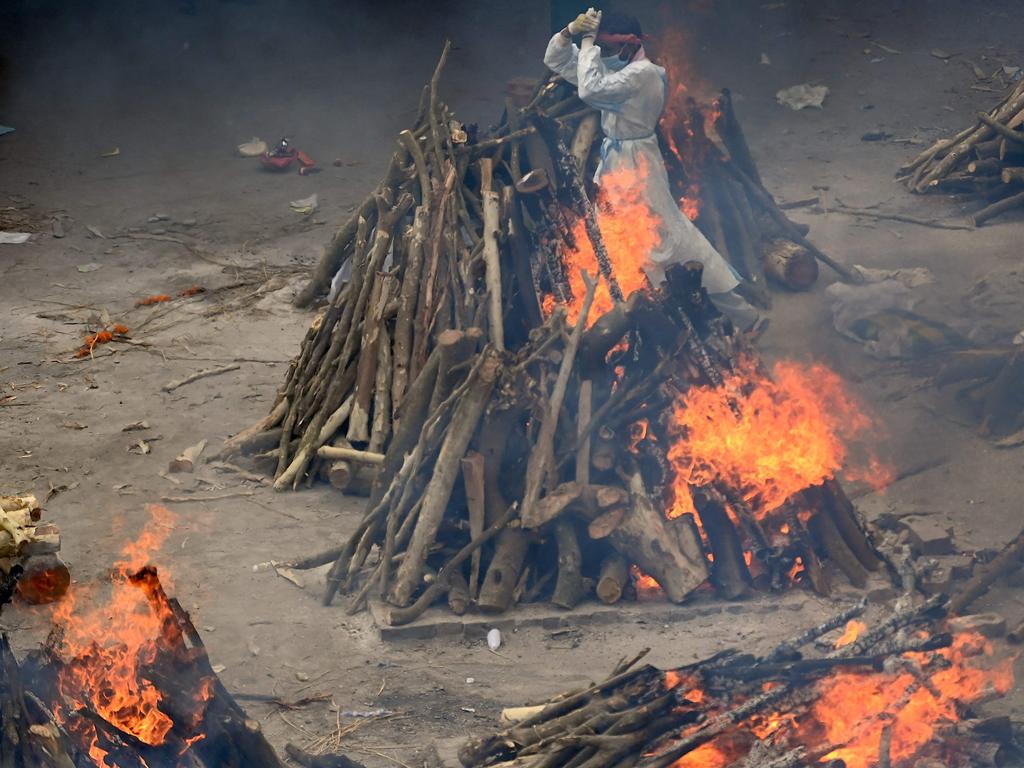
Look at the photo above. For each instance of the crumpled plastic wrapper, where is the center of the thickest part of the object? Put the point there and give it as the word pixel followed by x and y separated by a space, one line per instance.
pixel 803 96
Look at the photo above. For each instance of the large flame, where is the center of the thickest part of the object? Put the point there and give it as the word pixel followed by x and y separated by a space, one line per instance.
pixel 853 708
pixel 107 649
pixel 793 432
pixel 631 232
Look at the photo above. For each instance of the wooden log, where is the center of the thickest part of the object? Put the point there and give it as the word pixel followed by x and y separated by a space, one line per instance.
pixel 987 167
pixel 569 588
pixel 473 480
pixel 823 528
pixel 643 537
pixel 347 453
pixel 435 497
pixel 458 593
pixel 1001 130
pixel 1012 175
pixel 731 133
pixel 991 211
pixel 492 256
pixel 729 572
pixel 366 368
pixel 455 348
pixel 612 578
pixel 244 441
pixel 583 140
pixel 407 301
pixel 400 616
pixel 790 264
pixel 382 422
pixel 521 258
pixel 849 525
pixel 1008 559
pixel 341 244
pixel 496 593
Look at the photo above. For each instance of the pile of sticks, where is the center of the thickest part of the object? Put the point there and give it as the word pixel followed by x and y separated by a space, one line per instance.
pixel 646 717
pixel 435 362
pixel 985 159
pixel 468 232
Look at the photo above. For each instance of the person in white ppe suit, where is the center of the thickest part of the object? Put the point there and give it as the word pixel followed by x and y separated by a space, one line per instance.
pixel 630 91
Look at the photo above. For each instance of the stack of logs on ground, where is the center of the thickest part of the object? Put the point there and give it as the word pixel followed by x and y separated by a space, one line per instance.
pixel 434 382
pixel 984 159
pixel 740 710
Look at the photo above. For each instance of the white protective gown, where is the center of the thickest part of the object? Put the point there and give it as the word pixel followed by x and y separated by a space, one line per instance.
pixel 631 101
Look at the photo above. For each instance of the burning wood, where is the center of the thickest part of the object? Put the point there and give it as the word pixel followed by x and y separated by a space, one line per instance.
pixel 983 159
pixel 125 684
pixel 903 690
pixel 510 338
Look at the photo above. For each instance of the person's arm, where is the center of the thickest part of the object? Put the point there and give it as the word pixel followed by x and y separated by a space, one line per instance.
pixel 598 87
pixel 562 56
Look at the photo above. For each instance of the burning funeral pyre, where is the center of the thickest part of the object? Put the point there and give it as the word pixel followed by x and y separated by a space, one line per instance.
pixel 530 417
pixel 898 694
pixel 124 683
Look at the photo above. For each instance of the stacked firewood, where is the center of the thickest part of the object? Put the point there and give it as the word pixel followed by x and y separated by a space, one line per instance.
pixel 986 159
pixel 462 345
pixel 742 710
pixel 471 232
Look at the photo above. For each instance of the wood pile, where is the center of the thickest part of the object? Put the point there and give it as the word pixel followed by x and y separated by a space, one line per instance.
pixel 31 548
pixel 462 382
pixel 985 159
pixel 209 728
pixel 782 709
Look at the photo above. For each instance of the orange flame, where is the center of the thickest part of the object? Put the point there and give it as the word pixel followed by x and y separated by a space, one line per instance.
pixel 630 230
pixel 853 708
pixel 107 650
pixel 854 629
pixel 793 433
pixel 646 586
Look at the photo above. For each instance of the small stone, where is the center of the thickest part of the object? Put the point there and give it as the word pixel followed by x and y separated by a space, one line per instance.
pixel 990 625
pixel 302 677
pixel 188 222
pixel 161 217
pixel 927 537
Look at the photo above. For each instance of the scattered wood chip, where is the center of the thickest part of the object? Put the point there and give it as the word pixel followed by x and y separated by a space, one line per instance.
pixel 938 53
pixel 73 425
pixel 290 574
pixel 135 426
pixel 186 460
pixel 886 48
pixel 139 446
pixel 95 232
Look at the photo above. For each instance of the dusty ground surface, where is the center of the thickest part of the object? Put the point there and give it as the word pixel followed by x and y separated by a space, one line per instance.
pixel 175 91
